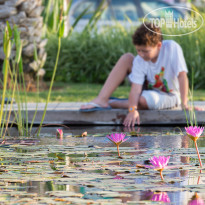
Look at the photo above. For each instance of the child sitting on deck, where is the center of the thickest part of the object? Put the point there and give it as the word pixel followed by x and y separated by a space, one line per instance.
pixel 159 63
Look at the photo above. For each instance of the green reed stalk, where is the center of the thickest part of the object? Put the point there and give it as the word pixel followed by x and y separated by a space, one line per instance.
pixel 18 69
pixel 24 105
pixel 18 114
pixel 6 64
pixel 192 114
pixel 12 100
pixel 95 17
pixel 60 35
pixel 11 37
pixel 7 51
pixel 37 101
pixel 37 96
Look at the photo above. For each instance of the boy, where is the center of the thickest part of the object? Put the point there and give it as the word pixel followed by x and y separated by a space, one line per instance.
pixel 163 66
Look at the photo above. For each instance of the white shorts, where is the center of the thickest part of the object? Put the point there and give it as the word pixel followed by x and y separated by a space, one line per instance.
pixel 157 100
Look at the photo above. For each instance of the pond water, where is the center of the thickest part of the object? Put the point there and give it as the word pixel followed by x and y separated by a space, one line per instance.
pixel 87 170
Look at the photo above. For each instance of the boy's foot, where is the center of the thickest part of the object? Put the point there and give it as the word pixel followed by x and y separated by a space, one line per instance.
pixel 8 100
pixel 94 106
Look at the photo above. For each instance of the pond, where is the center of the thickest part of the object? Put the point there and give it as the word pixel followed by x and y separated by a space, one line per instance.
pixel 87 170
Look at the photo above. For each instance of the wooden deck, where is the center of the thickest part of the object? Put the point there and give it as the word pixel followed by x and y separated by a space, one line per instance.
pixel 68 113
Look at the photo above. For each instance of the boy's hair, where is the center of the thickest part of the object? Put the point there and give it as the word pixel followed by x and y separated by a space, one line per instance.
pixel 147 35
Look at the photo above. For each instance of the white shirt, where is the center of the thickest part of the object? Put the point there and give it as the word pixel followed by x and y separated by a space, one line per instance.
pixel 170 58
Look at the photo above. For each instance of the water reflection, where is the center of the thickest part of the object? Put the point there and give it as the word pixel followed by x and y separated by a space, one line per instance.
pixel 42 188
pixel 156 196
pixel 196 200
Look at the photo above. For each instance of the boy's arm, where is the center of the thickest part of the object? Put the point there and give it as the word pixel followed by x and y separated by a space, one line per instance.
pixel 134 97
pixel 183 87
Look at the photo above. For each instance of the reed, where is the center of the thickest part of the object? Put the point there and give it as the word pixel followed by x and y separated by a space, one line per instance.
pixel 13 84
pixel 60 35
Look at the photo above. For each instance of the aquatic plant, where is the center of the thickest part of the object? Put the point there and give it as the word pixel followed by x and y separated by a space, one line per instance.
pixel 13 84
pixel 117 139
pixel 60 35
pixel 59 133
pixel 194 133
pixel 159 163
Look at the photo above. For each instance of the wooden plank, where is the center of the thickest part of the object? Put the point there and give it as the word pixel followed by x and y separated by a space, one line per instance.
pixel 115 117
pixel 68 113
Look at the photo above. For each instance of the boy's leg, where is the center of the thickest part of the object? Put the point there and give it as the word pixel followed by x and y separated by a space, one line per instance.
pixel 142 105
pixel 122 68
pixel 157 100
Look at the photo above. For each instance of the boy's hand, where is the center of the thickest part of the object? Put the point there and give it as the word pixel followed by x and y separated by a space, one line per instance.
pixel 131 119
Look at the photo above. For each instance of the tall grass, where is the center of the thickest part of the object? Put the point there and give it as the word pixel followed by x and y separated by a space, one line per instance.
pixel 13 83
pixel 88 56
pixel 54 11
pixel 13 70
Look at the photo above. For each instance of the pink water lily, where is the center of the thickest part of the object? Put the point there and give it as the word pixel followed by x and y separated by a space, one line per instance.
pixel 117 139
pixel 159 163
pixel 59 133
pixel 194 133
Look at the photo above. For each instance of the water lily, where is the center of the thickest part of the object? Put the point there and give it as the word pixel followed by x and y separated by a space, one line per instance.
pixel 196 200
pixel 194 133
pixel 159 163
pixel 59 133
pixel 160 196
pixel 117 139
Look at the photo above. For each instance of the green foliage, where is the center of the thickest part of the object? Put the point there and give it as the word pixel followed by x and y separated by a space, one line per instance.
pixel 88 56
pixel 193 46
pixel 52 14
pixel 13 84
pixel 11 69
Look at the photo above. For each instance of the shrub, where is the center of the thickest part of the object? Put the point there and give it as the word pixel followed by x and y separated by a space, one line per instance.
pixel 90 56
pixel 193 46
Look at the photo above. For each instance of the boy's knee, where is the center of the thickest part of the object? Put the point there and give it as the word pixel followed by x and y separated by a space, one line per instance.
pixel 128 58
pixel 142 103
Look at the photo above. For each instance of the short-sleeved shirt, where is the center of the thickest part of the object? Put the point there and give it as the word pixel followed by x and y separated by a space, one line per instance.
pixel 162 74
